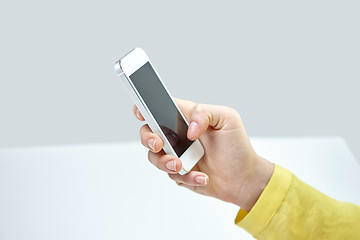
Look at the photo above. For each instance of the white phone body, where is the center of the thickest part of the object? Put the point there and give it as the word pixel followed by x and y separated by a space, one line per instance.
pixel 132 70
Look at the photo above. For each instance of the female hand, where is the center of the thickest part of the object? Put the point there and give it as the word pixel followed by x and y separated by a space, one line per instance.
pixel 230 169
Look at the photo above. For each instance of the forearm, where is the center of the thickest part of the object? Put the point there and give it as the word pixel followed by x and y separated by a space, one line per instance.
pixel 291 209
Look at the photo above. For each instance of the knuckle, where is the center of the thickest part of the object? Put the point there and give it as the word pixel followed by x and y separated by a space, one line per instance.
pixel 199 108
pixel 235 112
pixel 232 113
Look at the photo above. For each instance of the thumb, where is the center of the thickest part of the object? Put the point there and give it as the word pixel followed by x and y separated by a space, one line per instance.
pixel 204 116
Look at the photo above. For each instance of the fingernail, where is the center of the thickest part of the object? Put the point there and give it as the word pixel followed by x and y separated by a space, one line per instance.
pixel 201 180
pixel 193 130
pixel 138 114
pixel 171 165
pixel 151 143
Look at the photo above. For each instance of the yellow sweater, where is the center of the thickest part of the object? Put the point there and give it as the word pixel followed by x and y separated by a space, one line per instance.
pixel 290 209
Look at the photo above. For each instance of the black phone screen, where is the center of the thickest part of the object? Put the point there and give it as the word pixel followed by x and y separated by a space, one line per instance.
pixel 162 108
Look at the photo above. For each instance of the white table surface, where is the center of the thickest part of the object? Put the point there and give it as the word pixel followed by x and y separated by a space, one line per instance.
pixel 111 191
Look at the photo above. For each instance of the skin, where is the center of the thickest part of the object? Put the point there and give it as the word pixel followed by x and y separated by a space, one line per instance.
pixel 230 169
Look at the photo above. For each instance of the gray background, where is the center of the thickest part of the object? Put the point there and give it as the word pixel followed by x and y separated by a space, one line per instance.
pixel 290 68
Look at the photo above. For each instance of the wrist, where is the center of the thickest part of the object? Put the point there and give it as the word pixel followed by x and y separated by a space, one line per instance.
pixel 255 183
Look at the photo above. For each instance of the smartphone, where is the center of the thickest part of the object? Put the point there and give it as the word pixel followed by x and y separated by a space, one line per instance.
pixel 160 111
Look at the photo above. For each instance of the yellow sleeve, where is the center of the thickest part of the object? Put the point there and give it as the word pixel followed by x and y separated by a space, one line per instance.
pixel 290 209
